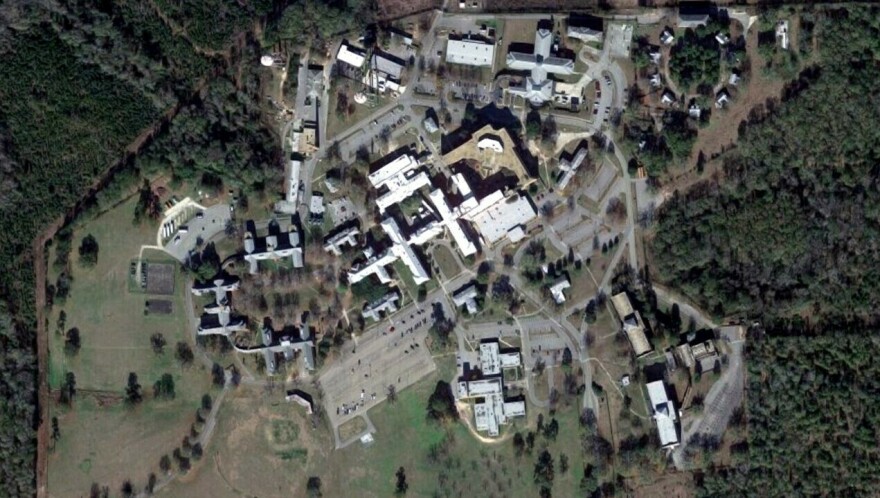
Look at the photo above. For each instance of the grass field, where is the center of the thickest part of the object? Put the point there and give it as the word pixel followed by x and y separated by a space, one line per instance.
pixel 446 261
pixel 241 461
pixel 115 332
pixel 102 439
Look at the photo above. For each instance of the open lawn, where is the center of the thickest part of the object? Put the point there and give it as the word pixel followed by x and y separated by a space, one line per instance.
pixel 446 261
pixel 241 461
pixel 103 440
pixel 115 331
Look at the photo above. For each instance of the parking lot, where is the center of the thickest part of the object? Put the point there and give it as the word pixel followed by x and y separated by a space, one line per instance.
pixel 368 136
pixel 202 226
pixel 393 352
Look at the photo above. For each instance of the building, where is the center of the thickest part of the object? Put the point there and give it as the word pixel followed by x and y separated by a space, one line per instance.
pixel 301 398
pixel 537 88
pixel 702 356
pixel 430 125
pixel 388 65
pixel 667 36
pixel 782 34
pixel 383 306
pixel 471 52
pixel 722 38
pixel 632 324
pixel 557 288
pixel 217 318
pixel 498 217
pixel 694 111
pixel 273 247
pixel 397 180
pixel 351 55
pixel 734 78
pixel 467 297
pixel 347 236
pixel 491 408
pixel 664 414
pixel 286 344
pixel 656 80
pixel 668 97
pixel 692 15
pixel 399 34
pixel 585 28
pixel 722 98
pixel 569 166
pixel 316 208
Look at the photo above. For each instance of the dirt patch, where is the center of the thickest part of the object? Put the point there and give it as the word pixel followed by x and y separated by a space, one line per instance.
pixel 159 307
pixel 677 485
pixel 352 428
pixel 160 278
pixel 395 9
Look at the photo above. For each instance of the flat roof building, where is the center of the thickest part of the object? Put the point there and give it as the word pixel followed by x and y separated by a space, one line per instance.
pixel 351 55
pixel 470 52
pixel 499 217
pixel 664 414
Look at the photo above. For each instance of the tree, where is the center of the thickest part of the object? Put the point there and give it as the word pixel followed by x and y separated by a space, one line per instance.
pixel 184 354
pixel 544 469
pixel 539 366
pixel 533 124
pixel 149 206
pixel 133 394
pixel 151 483
pixel 313 487
pixel 402 486
pixel 164 387
pixel 563 463
pixel 68 389
pixel 157 342
pixel 441 403
pixel 392 393
pixel 165 464
pixel 127 490
pixel 566 356
pixel 207 403
pixel 88 251
pixel 552 429
pixel 72 342
pixel 518 444
pixel 197 451
pixel 56 431
pixel 675 319
pixel 218 375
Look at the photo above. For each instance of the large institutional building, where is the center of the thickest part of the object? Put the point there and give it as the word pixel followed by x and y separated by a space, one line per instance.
pixel 491 408
pixel 538 88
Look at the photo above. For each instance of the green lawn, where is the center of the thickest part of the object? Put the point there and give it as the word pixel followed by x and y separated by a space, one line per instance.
pixel 115 332
pixel 446 261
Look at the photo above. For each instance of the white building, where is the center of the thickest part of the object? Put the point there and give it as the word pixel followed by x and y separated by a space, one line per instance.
pixel 668 97
pixel 491 410
pixel 569 168
pixel 557 288
pixel 273 247
pixel 497 217
pixel 664 414
pixel 782 34
pixel 667 37
pixel 722 98
pixel 397 180
pixel 585 28
pixel 334 243
pixel 350 55
pixel 470 52
pixel 402 250
pixel 537 88
pixel 387 304
pixel 656 80
pixel 467 297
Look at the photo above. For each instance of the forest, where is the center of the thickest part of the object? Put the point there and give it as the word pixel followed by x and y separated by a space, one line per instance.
pixel 792 226
pixel 814 419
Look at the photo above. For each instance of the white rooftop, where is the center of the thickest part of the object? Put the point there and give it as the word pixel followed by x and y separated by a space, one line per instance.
pixel 350 55
pixel 664 414
pixel 470 52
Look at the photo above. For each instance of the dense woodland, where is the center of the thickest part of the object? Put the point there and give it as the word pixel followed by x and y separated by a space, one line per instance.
pixel 814 419
pixel 793 225
pixel 788 236
pixel 81 81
